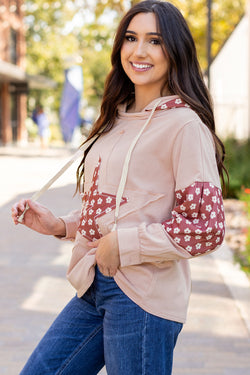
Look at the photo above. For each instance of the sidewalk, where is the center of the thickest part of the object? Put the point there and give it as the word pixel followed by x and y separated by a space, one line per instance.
pixel 216 337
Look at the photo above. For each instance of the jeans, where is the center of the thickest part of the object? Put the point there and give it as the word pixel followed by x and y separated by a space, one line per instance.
pixel 105 327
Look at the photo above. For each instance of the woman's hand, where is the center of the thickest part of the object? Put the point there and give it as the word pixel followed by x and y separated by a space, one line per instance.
pixel 107 254
pixel 38 218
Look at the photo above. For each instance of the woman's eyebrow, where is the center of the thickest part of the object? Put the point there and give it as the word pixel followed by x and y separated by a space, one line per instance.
pixel 150 33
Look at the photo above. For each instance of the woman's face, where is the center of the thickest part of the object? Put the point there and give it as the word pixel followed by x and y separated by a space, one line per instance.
pixel 142 56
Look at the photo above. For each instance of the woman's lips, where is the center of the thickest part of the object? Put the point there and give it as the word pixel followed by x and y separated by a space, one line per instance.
pixel 141 67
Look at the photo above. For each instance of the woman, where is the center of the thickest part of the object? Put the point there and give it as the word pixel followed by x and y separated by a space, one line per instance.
pixel 151 201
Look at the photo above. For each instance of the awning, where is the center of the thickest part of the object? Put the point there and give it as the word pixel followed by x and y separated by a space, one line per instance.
pixel 13 73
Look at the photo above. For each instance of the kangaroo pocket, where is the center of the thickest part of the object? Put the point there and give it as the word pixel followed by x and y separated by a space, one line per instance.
pixel 140 206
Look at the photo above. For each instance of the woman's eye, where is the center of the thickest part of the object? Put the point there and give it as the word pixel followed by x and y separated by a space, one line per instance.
pixel 130 38
pixel 155 41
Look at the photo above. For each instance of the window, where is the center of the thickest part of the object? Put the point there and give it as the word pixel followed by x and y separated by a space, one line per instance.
pixel 13 46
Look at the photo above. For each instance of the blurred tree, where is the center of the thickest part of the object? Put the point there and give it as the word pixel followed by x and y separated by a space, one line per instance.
pixel 62 32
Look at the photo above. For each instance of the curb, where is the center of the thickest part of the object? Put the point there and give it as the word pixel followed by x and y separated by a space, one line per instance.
pixel 236 281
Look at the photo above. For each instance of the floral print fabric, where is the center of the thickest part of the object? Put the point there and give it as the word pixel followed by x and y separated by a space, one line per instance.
pixel 198 222
pixel 95 204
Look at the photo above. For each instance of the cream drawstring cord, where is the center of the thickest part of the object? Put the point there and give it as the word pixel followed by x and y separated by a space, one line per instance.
pixel 79 153
pixel 123 179
pixel 58 174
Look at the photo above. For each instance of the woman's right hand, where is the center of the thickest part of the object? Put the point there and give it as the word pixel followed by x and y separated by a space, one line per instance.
pixel 38 218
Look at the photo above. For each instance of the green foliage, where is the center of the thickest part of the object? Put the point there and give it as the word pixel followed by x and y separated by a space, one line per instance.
pixel 59 32
pixel 244 257
pixel 237 163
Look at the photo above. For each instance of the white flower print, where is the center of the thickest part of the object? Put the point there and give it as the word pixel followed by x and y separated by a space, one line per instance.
pixel 197 191
pixel 178 195
pixel 90 221
pixel 182 207
pixel 209 237
pixel 176 230
pixel 218 232
pixel 190 197
pixel 184 214
pixel 187 238
pixel 178 101
pixel 206 192
pixel 189 248
pixel 194 214
pixel 213 215
pixel 83 232
pixel 187 230
pixel 208 244
pixel 209 230
pixel 91 212
pixel 92 202
pixel 193 206
pixel 214 199
pixel 99 201
pixel 178 220
pixel 169 229
pixel 208 207
pixel 92 232
pixel 211 185
pixel 221 225
pixel 217 240
pixel 198 231
pixel 203 216
pixel 95 192
pixel 98 211
pixel 83 222
pixel 177 239
pixel 108 209
pixel 196 221
pixel 198 246
pixel 108 200
pixel 164 106
pixel 198 237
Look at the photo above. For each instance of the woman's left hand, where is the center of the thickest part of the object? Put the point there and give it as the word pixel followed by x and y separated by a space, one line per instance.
pixel 107 253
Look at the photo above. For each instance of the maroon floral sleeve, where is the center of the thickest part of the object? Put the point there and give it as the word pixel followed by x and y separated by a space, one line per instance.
pixel 198 222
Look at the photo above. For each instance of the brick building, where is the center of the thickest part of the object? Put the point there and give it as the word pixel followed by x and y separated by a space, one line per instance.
pixel 14 82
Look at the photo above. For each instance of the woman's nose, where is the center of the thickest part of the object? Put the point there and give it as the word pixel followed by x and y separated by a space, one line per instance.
pixel 141 49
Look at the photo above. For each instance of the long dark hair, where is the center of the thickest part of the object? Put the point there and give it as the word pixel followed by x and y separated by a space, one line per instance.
pixel 184 77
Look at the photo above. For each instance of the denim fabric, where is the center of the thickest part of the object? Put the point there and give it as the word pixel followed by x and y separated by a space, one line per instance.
pixel 105 327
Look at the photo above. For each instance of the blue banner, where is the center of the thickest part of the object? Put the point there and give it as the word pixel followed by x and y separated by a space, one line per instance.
pixel 70 102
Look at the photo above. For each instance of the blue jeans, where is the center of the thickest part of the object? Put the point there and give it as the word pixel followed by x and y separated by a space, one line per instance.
pixel 105 327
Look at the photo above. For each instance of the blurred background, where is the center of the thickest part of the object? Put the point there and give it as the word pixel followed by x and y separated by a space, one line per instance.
pixel 54 58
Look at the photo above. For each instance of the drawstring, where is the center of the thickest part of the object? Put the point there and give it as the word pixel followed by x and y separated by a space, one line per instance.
pixel 79 153
pixel 123 179
pixel 58 174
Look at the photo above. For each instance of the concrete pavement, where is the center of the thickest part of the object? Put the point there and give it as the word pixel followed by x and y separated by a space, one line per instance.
pixel 216 338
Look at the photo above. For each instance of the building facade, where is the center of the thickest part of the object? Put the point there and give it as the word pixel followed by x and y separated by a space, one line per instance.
pixel 13 81
pixel 230 83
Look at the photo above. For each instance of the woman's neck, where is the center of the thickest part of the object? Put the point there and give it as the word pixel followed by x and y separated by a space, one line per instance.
pixel 143 98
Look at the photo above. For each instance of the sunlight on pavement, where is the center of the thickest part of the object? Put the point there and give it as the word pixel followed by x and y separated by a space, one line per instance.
pixel 46 295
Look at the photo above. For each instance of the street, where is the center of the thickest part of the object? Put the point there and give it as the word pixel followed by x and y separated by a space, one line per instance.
pixel 214 341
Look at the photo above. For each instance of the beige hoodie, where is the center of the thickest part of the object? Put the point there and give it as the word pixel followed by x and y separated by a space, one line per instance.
pixel 171 209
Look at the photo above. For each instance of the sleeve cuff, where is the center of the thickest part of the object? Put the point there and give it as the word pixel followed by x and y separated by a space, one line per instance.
pixel 129 246
pixel 71 224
